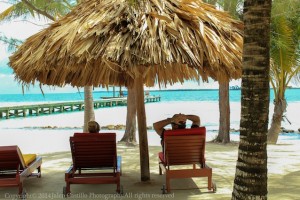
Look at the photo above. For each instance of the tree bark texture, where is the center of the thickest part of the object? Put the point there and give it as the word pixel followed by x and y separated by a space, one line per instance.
pixel 130 136
pixel 224 107
pixel 89 114
pixel 279 109
pixel 251 170
pixel 142 128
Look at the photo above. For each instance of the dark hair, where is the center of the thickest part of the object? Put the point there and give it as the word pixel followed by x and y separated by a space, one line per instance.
pixel 181 125
pixel 93 127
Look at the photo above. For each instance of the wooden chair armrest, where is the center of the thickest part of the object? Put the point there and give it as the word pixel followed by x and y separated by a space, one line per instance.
pixel 70 170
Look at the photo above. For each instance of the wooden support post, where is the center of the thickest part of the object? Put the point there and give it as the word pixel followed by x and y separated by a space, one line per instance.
pixel 142 128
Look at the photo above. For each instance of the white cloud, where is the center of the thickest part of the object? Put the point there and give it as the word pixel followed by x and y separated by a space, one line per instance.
pixel 21 29
pixel 4 5
pixel 18 29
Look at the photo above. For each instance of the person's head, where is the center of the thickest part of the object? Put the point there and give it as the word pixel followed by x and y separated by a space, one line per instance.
pixel 178 121
pixel 93 127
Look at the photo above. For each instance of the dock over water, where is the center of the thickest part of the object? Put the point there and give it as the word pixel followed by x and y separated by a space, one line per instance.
pixel 60 107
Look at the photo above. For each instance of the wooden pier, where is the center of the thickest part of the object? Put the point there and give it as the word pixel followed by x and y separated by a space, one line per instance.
pixel 49 108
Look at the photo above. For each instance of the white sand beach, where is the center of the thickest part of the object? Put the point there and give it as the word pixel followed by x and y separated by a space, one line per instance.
pixel 52 143
pixel 283 176
pixel 50 133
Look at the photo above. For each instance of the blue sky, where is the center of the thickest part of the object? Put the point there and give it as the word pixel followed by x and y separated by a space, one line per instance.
pixel 20 29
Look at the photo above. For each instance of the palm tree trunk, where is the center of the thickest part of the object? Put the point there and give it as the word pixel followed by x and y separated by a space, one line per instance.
pixel 89 114
pixel 279 109
pixel 130 136
pixel 251 169
pixel 224 107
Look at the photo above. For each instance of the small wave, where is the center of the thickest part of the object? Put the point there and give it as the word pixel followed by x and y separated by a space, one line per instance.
pixel 52 127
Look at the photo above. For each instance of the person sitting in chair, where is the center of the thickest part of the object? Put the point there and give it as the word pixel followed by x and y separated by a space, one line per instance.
pixel 93 127
pixel 178 121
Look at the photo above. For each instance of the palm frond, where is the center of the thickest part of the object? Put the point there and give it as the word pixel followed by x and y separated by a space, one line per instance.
pixel 11 42
pixel 285 43
pixel 55 8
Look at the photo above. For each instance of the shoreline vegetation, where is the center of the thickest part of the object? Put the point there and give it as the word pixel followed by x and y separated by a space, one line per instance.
pixel 146 89
pixel 190 89
pixel 120 127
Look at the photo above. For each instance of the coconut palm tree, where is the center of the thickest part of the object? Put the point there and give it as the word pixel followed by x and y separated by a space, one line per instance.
pixel 25 9
pixel 233 7
pixel 251 170
pixel 89 113
pixel 285 57
pixel 52 10
pixel 49 9
pixel 11 43
pixel 285 54
pixel 130 131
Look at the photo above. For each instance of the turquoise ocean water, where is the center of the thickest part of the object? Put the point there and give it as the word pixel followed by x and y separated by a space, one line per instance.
pixel 172 96
pixel 292 95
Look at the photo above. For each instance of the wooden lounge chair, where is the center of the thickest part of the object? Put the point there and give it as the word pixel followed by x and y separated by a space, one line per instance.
pixel 15 167
pixel 95 161
pixel 184 151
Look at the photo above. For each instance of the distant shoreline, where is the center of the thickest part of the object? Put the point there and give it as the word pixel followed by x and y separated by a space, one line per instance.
pixel 172 90
pixel 150 90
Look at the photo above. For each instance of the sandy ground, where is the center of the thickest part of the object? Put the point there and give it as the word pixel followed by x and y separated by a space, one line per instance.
pixel 283 177
pixel 31 137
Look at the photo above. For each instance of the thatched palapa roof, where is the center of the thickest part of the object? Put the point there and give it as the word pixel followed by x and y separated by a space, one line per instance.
pixel 106 41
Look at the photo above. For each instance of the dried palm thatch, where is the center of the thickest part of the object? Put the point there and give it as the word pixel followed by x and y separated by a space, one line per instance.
pixel 104 42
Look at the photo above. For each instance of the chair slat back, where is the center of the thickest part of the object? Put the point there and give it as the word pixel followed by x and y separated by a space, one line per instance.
pixel 11 158
pixel 94 150
pixel 185 146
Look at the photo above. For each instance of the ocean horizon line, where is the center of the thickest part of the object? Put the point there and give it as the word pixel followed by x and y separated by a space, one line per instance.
pixel 150 90
pixel 155 90
pixel 189 89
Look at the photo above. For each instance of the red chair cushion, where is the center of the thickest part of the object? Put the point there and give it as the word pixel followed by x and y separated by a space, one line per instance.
pixel 189 131
pixel 89 134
